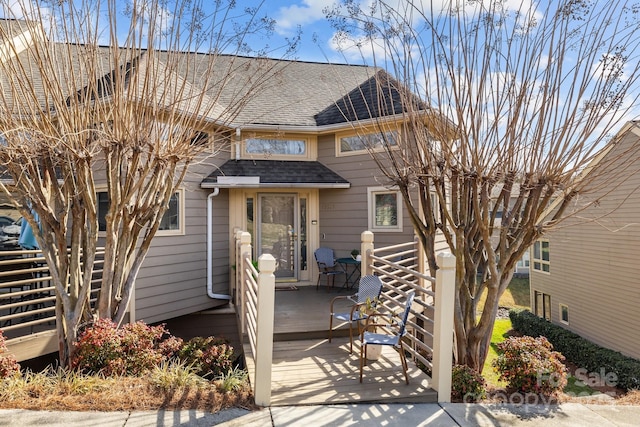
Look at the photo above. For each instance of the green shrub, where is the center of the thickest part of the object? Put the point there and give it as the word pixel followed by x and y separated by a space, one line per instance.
pixel 133 349
pixel 8 364
pixel 467 384
pixel 529 365
pixel 209 356
pixel 580 351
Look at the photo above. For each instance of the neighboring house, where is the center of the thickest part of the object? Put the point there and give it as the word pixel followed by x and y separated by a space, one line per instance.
pixel 294 172
pixel 585 275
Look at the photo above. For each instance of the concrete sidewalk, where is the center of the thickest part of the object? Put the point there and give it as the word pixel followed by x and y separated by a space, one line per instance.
pixel 431 414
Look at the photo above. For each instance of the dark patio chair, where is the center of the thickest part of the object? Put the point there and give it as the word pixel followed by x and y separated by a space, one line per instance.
pixel 390 339
pixel 327 266
pixel 368 292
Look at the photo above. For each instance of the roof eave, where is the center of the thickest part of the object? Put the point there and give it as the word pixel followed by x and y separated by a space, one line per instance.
pixel 339 185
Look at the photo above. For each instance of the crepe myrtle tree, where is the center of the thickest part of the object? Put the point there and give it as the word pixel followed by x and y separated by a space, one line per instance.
pixel 102 91
pixel 503 106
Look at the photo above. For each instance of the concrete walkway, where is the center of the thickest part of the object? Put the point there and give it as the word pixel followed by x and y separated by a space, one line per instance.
pixel 431 414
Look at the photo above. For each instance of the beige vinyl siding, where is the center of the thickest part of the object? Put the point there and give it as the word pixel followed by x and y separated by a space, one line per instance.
pixel 344 212
pixel 173 279
pixel 594 267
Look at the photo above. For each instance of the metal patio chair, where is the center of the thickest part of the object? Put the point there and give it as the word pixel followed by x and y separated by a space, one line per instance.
pixel 368 292
pixel 327 266
pixel 390 339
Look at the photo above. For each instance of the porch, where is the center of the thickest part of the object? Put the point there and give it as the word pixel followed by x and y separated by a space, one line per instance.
pixel 308 370
pixel 285 330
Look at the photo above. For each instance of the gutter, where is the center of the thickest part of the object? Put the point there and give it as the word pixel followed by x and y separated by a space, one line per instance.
pixel 210 292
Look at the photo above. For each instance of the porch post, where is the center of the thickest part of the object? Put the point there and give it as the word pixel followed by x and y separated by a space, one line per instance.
pixel 244 240
pixel 366 248
pixel 443 325
pixel 264 329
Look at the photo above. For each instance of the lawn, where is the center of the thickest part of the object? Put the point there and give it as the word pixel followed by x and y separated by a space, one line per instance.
pixel 516 296
pixel 500 330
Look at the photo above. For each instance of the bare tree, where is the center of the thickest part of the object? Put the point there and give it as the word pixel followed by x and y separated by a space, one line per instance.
pixel 96 94
pixel 530 94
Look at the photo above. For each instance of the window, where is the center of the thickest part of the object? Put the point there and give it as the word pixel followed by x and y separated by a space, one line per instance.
pixel 287 147
pixel 171 219
pixel 542 305
pixel 541 256
pixel 385 210
pixel 524 261
pixel 564 314
pixel 170 224
pixel 356 144
pixel 103 208
pixel 200 139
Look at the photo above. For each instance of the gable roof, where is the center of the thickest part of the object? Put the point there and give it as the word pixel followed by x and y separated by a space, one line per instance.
pixel 286 95
pixel 274 173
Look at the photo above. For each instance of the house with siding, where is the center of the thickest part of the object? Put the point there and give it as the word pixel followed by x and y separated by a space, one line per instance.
pixel 293 169
pixel 584 275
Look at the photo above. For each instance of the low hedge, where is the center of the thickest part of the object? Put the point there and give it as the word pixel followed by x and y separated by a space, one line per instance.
pixel 578 350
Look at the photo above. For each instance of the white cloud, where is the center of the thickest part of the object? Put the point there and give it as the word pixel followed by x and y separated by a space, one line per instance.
pixel 308 11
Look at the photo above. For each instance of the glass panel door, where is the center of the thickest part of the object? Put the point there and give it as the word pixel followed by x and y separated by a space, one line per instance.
pixel 277 232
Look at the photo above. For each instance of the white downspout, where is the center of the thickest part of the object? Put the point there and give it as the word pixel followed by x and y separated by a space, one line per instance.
pixel 210 248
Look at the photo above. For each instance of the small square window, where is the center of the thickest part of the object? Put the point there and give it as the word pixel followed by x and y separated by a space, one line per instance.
pixel 385 210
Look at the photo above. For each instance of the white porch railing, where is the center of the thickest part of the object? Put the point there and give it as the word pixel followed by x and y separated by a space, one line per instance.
pixel 256 305
pixel 430 327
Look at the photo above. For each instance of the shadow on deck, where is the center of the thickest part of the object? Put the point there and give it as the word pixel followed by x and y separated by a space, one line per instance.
pixel 308 370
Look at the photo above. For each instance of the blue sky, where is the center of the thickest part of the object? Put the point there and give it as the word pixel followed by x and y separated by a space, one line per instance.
pixel 309 16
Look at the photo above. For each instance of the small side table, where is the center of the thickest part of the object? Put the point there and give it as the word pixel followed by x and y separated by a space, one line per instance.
pixel 352 273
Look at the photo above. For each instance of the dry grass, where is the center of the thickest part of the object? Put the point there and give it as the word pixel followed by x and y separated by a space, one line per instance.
pixel 72 392
pixel 632 397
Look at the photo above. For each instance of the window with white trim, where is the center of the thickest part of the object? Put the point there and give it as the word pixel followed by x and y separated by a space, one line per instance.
pixel 564 314
pixel 385 209
pixel 541 256
pixel 357 144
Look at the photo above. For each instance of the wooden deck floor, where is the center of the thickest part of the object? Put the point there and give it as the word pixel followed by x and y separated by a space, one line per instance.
pixel 308 370
pixel 316 372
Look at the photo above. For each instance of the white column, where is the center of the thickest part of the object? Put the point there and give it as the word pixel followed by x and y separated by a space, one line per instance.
pixel 443 326
pixel 264 339
pixel 366 247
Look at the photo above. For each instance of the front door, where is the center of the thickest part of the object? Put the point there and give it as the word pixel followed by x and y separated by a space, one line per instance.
pixel 277 232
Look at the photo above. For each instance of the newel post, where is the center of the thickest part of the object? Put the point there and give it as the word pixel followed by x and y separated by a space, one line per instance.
pixel 244 240
pixel 443 326
pixel 366 248
pixel 264 329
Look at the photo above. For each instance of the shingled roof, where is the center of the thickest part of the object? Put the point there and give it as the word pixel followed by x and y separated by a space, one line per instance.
pixel 291 95
pixel 274 173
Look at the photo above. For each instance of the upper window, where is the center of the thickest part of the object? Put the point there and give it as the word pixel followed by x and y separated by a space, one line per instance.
pixel 276 147
pixel 385 209
pixel 541 256
pixel 356 144
pixel 172 221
